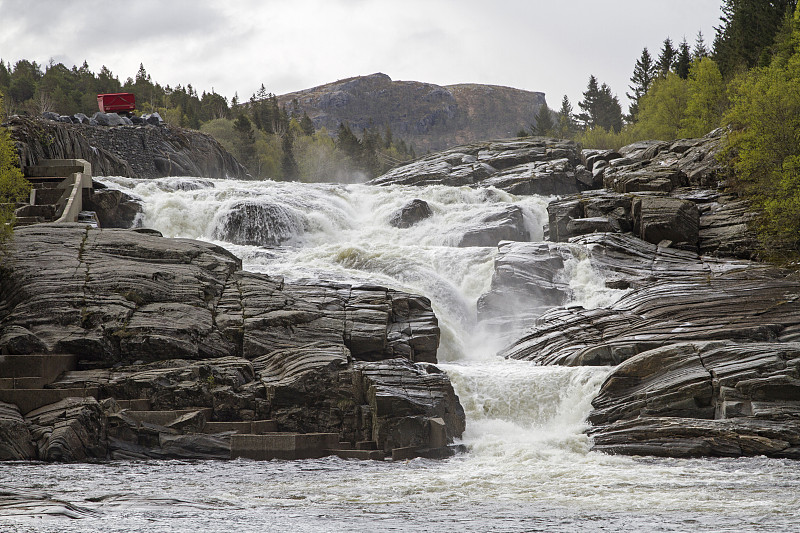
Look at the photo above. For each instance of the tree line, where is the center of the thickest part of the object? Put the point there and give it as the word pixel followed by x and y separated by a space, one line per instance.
pixel 747 81
pixel 272 141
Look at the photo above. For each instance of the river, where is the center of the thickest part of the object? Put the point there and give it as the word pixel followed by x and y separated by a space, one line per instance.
pixel 529 465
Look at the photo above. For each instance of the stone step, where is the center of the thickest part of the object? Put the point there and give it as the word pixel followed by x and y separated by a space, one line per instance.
pixel 283 446
pixel 139 404
pixel 29 399
pixel 254 427
pixel 364 455
pixel 164 418
pixel 24 383
pixel 48 366
pixel 366 445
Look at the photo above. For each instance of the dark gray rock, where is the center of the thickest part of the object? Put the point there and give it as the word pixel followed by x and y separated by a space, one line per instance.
pixel 703 398
pixel 49 115
pixel 114 208
pixel 260 224
pixel 507 224
pixel 414 211
pixel 16 442
pixel 520 166
pixel 133 151
pixel 656 219
pixel 108 119
pixel 70 430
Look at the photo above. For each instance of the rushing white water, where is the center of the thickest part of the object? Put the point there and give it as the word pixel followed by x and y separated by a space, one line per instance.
pixel 529 467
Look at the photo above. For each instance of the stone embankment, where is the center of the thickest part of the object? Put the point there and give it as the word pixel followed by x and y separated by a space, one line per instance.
pixel 177 325
pixel 136 151
pixel 703 348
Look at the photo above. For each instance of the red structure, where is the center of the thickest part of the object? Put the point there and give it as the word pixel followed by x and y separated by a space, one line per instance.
pixel 123 103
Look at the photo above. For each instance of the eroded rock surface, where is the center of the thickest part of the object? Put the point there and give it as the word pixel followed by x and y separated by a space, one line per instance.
pixel 178 323
pixel 520 166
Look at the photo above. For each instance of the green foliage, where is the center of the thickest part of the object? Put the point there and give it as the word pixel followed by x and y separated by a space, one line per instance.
pixel 544 121
pixel 764 146
pixel 683 60
pixel 565 126
pixel 666 59
pixel 748 31
pixel 662 108
pixel 644 71
pixel 707 99
pixel 13 186
pixel 601 139
pixel 600 107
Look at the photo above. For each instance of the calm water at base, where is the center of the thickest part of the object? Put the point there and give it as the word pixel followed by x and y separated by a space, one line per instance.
pixel 599 493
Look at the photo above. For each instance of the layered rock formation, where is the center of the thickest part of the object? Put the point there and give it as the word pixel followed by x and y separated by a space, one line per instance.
pixel 179 323
pixel 534 165
pixel 137 151
pixel 703 347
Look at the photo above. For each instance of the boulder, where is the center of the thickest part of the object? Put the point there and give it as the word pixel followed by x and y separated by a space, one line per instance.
pixel 70 430
pixel 16 442
pixel 507 224
pixel 108 119
pixel 520 166
pixel 260 224
pixel 414 211
pixel 114 208
pixel 657 219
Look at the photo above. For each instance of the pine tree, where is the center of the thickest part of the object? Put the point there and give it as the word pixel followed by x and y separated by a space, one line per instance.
pixel 643 74
pixel 588 105
pixel 609 111
pixel 700 49
pixel 288 162
pixel 565 123
pixel 747 32
pixel 683 61
pixel 544 121
pixel 666 59
pixel 307 125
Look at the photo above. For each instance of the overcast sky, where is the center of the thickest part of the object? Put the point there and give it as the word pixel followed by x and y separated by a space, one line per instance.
pixel 288 45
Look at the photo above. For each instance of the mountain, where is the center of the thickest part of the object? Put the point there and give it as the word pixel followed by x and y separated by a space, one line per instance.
pixel 431 117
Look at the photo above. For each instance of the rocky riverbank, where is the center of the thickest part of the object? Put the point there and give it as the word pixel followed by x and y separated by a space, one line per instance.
pixel 135 151
pixel 178 324
pixel 704 345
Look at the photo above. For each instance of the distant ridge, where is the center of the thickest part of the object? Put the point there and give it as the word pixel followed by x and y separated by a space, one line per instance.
pixel 432 117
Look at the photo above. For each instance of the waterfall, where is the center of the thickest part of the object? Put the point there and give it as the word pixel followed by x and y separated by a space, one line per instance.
pixel 343 233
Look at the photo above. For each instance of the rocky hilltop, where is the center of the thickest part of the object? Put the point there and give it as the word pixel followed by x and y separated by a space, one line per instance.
pixel 135 151
pixel 431 117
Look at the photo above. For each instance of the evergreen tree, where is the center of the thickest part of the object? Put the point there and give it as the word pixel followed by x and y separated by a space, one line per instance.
pixel 13 187
pixel 643 73
pixel 666 59
pixel 288 163
pixel 565 123
pixel 683 62
pixel 747 32
pixel 544 121
pixel 306 124
pixel 700 49
pixel 609 111
pixel 588 105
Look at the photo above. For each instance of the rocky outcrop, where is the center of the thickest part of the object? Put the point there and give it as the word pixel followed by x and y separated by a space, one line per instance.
pixel 16 442
pixel 520 166
pixel 429 116
pixel 136 151
pixel 705 347
pixel 177 322
pixel 260 224
pixel 506 224
pixel 114 208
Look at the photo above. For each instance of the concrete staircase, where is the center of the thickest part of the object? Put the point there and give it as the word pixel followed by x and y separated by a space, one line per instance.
pixel 23 379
